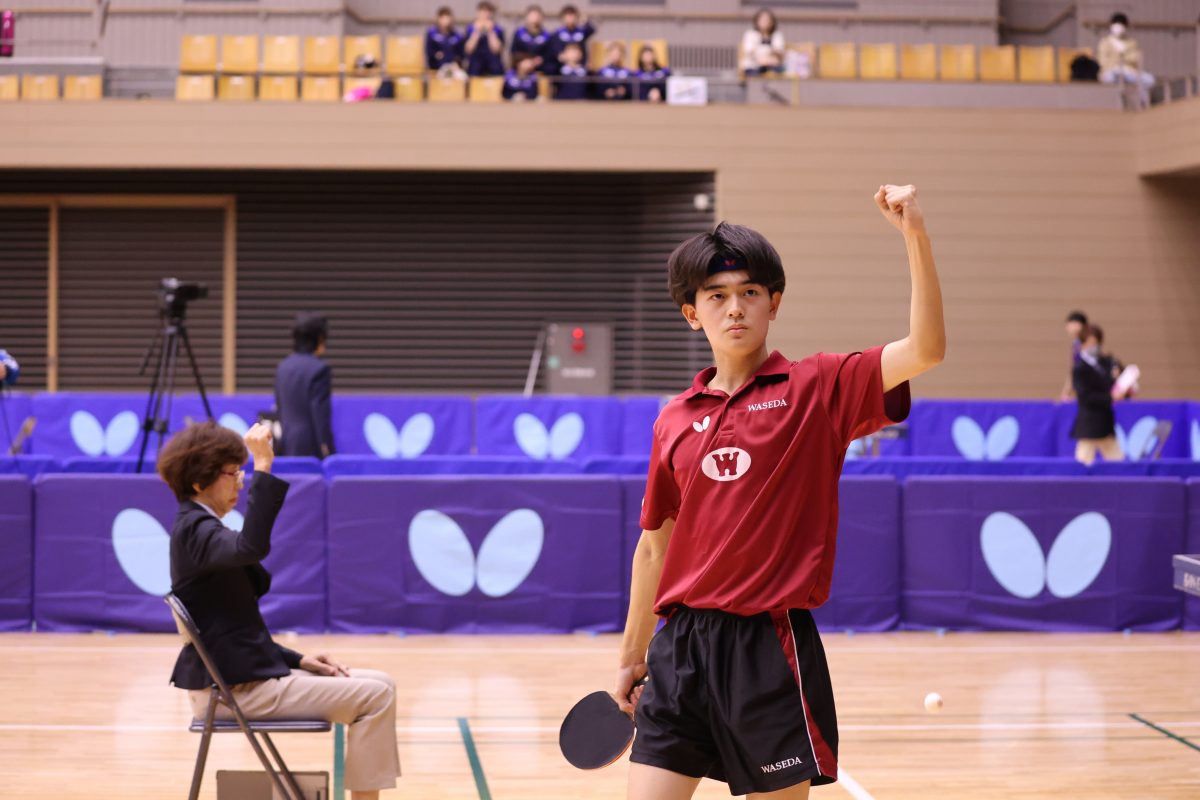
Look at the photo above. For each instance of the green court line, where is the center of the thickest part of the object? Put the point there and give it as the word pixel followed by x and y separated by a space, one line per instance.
pixel 1166 732
pixel 473 757
pixel 339 762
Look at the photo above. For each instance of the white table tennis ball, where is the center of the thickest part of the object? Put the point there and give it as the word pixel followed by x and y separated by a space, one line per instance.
pixel 933 702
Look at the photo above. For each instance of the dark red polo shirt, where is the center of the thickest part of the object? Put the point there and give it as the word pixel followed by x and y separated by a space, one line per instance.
pixel 751 480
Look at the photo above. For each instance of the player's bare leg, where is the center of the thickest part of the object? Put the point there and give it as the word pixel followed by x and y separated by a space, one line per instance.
pixel 797 792
pixel 652 783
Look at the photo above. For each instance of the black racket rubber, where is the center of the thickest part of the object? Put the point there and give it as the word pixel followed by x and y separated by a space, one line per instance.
pixel 595 732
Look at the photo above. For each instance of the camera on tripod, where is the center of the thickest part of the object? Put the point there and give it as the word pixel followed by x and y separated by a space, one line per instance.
pixel 174 295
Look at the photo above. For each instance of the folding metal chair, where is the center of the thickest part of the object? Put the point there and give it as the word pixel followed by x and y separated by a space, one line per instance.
pixel 220 692
pixel 1156 441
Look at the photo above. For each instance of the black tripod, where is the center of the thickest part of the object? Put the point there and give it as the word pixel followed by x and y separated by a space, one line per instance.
pixel 167 341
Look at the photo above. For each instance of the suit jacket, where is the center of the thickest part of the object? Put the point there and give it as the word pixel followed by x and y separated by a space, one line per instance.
pixel 217 574
pixel 303 386
pixel 1093 392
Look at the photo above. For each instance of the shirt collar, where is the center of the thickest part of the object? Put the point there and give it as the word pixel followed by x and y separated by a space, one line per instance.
pixel 776 364
pixel 206 508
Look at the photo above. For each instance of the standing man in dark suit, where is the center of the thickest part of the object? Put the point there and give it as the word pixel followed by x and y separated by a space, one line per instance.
pixel 218 574
pixel 303 388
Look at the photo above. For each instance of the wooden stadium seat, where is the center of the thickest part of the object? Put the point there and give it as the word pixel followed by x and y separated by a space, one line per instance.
pixel 918 62
pixel 10 87
pixel 1035 64
pixel 83 87
pixel 320 89
pixel 806 49
pixel 409 88
pixel 194 87
pixel 485 90
pixel 837 61
pixel 39 87
pixel 281 55
pixel 957 63
pixel 358 81
pixel 998 64
pixel 322 55
pixel 198 54
pixel 596 48
pixel 447 90
pixel 545 88
pixel 405 55
pixel 278 88
pixel 235 87
pixel 1065 56
pixel 239 55
pixel 877 62
pixel 660 51
pixel 355 46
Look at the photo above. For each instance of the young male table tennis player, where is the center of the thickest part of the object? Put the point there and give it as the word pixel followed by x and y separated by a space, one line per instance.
pixel 740 520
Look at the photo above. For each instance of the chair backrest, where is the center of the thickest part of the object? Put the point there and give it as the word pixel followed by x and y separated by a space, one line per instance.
pixel 194 87
pixel 39 87
pixel 322 55
pixel 998 63
pixel 281 54
pixel 277 88
pixel 191 634
pixel 405 55
pixel 10 87
pixel 235 87
pixel 447 90
pixel 918 62
pixel 837 60
pixel 485 90
pixel 409 88
pixel 635 47
pixel 198 54
pixel 957 62
pixel 1065 56
pixel 83 87
pixel 320 89
pixel 877 62
pixel 239 55
pixel 355 46
pixel 1035 64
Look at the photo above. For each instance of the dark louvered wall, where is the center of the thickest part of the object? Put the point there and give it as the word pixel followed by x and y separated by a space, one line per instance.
pixel 110 265
pixel 431 281
pixel 24 242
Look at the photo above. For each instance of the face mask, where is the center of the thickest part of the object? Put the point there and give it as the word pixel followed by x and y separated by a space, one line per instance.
pixel 1117 29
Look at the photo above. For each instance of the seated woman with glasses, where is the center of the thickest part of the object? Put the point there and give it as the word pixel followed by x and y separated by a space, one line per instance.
pixel 218 574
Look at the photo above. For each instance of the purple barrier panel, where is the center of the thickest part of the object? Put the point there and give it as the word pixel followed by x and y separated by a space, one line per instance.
pixel 617 465
pixel 127 465
pixel 865 595
pixel 1191 605
pixel 1193 430
pixel 891 447
pixel 337 466
pixel 902 468
pixel 397 426
pixel 551 428
pixel 71 424
pixel 103 557
pixel 16 408
pixel 29 466
pixel 235 411
pixel 633 489
pixel 983 430
pixel 1090 554
pixel 637 424
pixel 1136 420
pixel 16 553
pixel 474 554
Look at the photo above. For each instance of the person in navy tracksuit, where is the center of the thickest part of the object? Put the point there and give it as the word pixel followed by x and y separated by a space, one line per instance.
pixel 303 389
pixel 484 47
pixel 651 76
pixel 575 30
pixel 443 44
pixel 612 80
pixel 521 82
pixel 532 39
pixel 572 80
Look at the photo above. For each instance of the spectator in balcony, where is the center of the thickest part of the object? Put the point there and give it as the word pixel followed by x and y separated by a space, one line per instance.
pixel 443 44
pixel 572 80
pixel 1121 59
pixel 1095 429
pixel 484 48
pixel 652 76
pixel 762 46
pixel 521 82
pixel 532 39
pixel 612 80
pixel 576 29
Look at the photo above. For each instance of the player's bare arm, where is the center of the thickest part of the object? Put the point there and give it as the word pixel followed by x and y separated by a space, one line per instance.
pixel 925 346
pixel 640 624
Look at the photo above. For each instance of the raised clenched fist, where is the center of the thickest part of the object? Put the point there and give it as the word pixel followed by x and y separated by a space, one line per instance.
pixel 899 206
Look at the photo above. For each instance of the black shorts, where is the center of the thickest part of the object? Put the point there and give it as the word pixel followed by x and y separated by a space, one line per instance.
pixel 745 700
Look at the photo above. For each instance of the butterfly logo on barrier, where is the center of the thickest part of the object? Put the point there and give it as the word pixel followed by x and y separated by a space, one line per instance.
pixel 1015 558
pixel 234 423
pixel 95 439
pixel 1140 436
pixel 411 440
pixel 444 556
pixel 143 548
pixel 995 445
pixel 560 441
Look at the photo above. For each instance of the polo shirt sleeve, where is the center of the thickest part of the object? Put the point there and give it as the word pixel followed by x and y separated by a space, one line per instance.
pixel 852 391
pixel 661 501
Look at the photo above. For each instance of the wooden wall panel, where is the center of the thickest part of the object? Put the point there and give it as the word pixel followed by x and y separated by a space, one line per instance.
pixel 1032 212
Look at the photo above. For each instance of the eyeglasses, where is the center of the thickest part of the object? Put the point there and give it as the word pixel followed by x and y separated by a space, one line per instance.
pixel 239 475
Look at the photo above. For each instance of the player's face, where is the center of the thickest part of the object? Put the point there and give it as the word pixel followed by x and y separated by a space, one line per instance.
pixel 1074 328
pixel 733 312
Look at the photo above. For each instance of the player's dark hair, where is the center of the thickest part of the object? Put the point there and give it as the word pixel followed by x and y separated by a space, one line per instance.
pixel 687 267
pixel 1095 331
pixel 769 13
pixel 1077 316
pixel 196 455
pixel 534 7
pixel 308 331
pixel 445 11
pixel 1119 18
pixel 484 5
pixel 568 9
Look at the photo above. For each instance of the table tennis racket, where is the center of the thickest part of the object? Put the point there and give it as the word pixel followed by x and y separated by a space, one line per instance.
pixel 596 732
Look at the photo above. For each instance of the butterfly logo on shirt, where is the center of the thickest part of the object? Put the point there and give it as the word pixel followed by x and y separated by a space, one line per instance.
pixel 700 426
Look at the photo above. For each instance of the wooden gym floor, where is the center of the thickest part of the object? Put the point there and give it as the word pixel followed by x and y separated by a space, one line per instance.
pixel 1027 715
